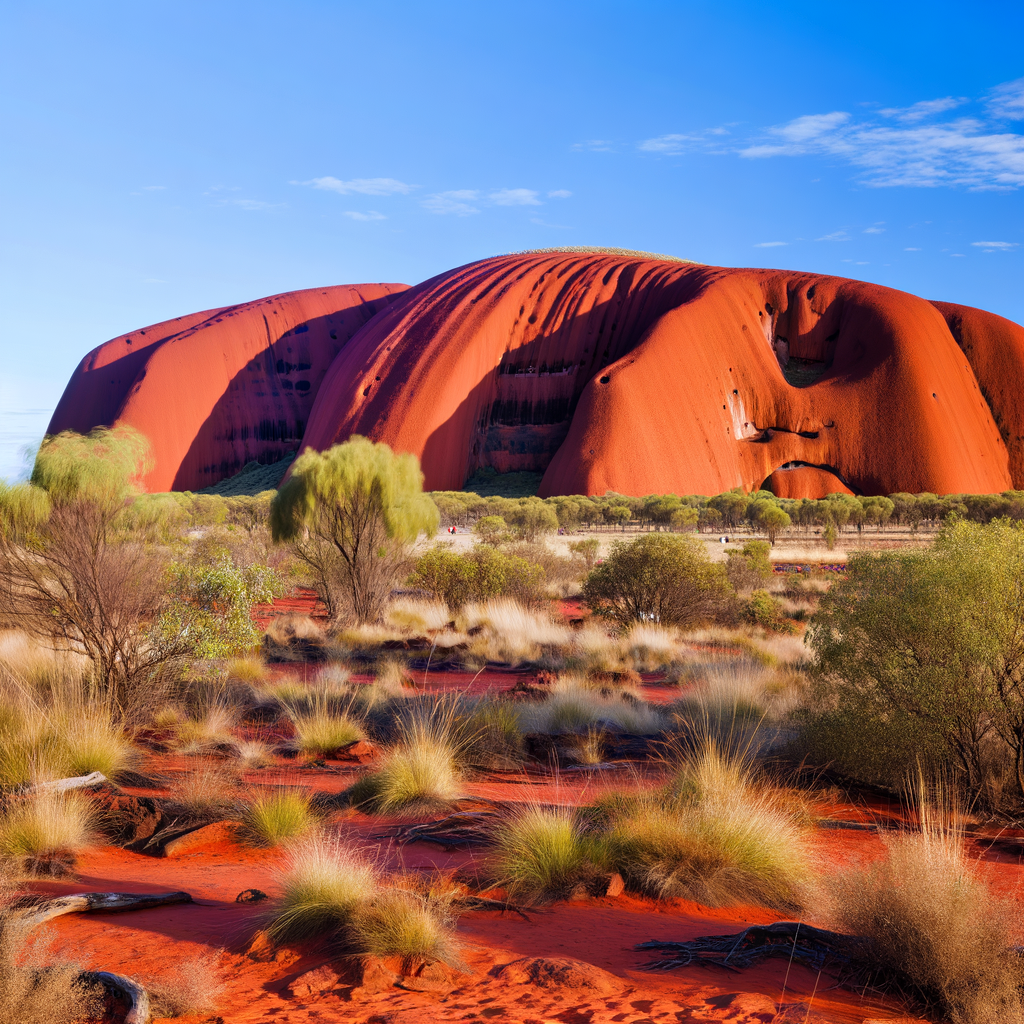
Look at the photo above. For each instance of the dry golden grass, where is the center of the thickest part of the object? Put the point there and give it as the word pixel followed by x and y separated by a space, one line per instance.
pixel 193 986
pixel 713 837
pixel 574 706
pixel 322 886
pixel 44 827
pixel 38 986
pixel 416 617
pixel 285 628
pixel 511 632
pixel 541 853
pixel 206 787
pixel 422 768
pixel 405 923
pixel 930 928
pixel 251 669
pixel 214 728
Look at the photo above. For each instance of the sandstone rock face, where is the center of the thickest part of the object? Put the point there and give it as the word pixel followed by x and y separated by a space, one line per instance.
pixel 602 371
pixel 215 390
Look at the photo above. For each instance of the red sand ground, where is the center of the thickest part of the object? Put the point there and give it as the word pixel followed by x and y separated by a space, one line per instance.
pixel 602 371
pixel 600 932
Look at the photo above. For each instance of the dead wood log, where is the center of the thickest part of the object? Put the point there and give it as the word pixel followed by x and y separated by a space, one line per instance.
pixel 140 1010
pixel 93 902
pixel 89 781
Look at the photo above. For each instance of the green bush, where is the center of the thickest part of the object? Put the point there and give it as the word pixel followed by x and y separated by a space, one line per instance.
pixel 933 637
pixel 665 578
pixel 483 573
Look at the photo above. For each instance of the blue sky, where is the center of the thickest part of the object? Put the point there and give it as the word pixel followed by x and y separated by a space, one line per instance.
pixel 161 158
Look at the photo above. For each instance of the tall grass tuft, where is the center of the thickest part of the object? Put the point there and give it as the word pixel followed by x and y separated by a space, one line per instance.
pixel 542 853
pixel 712 836
pixel 400 922
pixel 272 818
pixel 422 768
pixel 323 886
pixel 44 826
pixel 930 928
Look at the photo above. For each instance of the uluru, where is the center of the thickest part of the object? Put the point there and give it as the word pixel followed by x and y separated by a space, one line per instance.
pixel 601 369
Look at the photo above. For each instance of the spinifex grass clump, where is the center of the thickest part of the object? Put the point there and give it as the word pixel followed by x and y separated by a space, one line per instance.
pixel 330 891
pixel 542 853
pixel 45 829
pixel 421 769
pixel 929 928
pixel 320 730
pixel 274 817
pixel 712 836
pixel 405 923
pixel 323 886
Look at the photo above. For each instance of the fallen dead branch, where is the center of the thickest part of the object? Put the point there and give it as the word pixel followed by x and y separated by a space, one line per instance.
pixel 815 948
pixel 93 902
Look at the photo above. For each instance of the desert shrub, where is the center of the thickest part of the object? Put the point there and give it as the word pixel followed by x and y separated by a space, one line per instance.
pixel 272 818
pixel 422 768
pixel 44 826
pixel 662 578
pixel 929 928
pixel 211 605
pixel 542 853
pixel 491 529
pixel 211 727
pixel 586 551
pixel 483 573
pixel 932 636
pixel 711 837
pixel 351 514
pixel 322 887
pixel 750 568
pixel 765 611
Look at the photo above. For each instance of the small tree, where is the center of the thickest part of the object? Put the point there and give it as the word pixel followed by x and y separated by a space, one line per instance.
pixel 352 513
pixel 77 574
pixel 658 577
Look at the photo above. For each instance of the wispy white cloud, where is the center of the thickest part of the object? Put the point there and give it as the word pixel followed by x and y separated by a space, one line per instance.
pixel 835 236
pixel 925 108
pixel 875 229
pixel 994 246
pixel 361 186
pixel 559 193
pixel 965 151
pixel 768 245
pixel 369 215
pixel 594 146
pixel 708 139
pixel 911 248
pixel 1007 100
pixel 458 202
pixel 514 197
pixel 153 188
